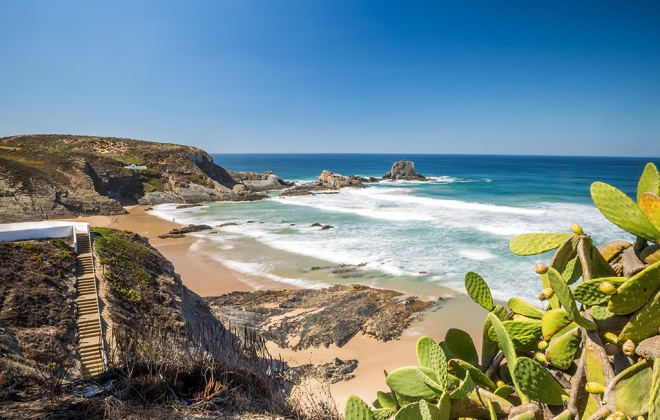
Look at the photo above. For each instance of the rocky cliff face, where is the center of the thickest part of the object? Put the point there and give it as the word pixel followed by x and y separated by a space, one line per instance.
pixel 62 176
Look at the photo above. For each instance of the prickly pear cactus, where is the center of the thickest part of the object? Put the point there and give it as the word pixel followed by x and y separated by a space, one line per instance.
pixel 633 293
pixel 478 290
pixel 537 243
pixel 356 409
pixel 460 345
pixel 537 383
pixel 583 336
pixel 619 209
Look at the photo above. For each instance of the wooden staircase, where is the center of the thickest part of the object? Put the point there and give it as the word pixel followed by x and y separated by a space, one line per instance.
pixel 90 335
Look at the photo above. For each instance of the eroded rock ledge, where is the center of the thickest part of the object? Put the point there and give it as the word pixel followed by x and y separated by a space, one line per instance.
pixel 305 318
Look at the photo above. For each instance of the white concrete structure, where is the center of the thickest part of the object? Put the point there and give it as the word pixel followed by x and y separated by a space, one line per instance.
pixel 10 232
pixel 135 167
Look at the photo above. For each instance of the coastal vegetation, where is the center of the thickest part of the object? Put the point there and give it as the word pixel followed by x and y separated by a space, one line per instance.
pixel 592 351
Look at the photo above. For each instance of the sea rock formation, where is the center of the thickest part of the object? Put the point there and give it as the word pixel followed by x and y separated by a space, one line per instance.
pixel 327 181
pixel 64 176
pixel 404 170
pixel 311 318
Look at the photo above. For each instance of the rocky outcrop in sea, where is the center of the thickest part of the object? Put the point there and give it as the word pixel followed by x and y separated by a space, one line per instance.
pixel 404 170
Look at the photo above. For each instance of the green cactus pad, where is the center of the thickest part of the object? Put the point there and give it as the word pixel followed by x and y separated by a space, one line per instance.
pixel 386 400
pixel 465 389
pixel 534 381
pixel 412 412
pixel 521 307
pixel 424 345
pixel 522 333
pixel 433 385
pixel 356 409
pixel 537 243
pixel 503 339
pixel 573 271
pixel 461 346
pixel 562 350
pixel 504 391
pixel 460 367
pixel 634 293
pixel 650 205
pixel 489 347
pixel 553 321
pixel 508 349
pixel 597 367
pixel 565 296
pixel 619 209
pixel 478 290
pixel 644 323
pixel 649 182
pixel 600 313
pixel 404 381
pixel 382 413
pixel 588 293
pixel 439 366
pixel 654 396
pixel 564 254
pixel 629 392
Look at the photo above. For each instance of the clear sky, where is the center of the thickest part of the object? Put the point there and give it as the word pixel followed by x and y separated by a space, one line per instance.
pixel 241 76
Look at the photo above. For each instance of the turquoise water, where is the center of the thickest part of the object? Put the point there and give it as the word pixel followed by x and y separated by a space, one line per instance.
pixel 411 236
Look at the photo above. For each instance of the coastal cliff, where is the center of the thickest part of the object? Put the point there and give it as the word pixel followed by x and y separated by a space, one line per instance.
pixel 64 176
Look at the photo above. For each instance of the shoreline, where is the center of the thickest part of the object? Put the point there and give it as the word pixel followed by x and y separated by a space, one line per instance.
pixel 196 269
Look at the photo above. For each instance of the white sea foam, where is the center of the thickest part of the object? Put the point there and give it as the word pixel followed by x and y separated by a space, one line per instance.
pixel 477 254
pixel 262 270
pixel 394 231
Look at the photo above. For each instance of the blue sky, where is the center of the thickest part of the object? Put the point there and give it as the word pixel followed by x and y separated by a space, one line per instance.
pixel 492 77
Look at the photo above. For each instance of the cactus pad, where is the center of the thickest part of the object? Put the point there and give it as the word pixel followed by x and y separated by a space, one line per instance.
pixel 588 292
pixel 386 400
pixel 562 350
pixel 564 254
pixel 553 321
pixel 573 271
pixel 600 313
pixel 650 205
pixel 537 243
pixel 634 293
pixel 522 333
pixel 478 290
pixel 413 412
pixel 521 307
pixel 461 346
pixel 504 391
pixel 534 381
pixel 654 397
pixel 649 182
pixel 404 381
pixel 619 209
pixel 459 368
pixel 644 323
pixel 465 389
pixel 629 392
pixel 566 298
pixel 356 409
pixel 424 345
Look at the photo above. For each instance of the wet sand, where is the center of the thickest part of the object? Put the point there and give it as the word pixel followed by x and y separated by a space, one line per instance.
pixel 208 277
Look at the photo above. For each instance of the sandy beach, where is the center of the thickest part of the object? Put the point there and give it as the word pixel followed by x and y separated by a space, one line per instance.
pixel 208 277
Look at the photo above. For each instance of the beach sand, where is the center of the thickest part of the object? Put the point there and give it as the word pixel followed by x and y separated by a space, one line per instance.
pixel 208 277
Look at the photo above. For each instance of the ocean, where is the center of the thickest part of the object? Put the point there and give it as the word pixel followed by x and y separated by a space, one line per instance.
pixel 415 237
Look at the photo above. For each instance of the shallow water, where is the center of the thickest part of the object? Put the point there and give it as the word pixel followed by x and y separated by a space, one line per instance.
pixel 417 237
